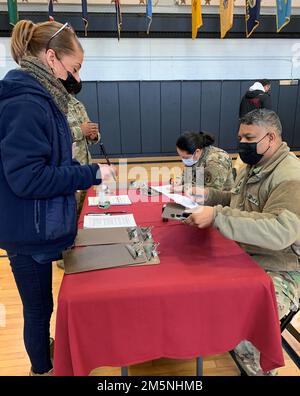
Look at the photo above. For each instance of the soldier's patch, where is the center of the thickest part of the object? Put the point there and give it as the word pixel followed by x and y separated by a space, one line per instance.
pixel 208 177
pixel 253 199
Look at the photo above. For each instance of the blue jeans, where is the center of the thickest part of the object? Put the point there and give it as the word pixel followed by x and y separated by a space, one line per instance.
pixel 34 282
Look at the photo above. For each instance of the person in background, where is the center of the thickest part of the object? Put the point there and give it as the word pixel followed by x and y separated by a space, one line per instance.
pixel 257 97
pixel 205 164
pixel 267 85
pixel 261 213
pixel 84 133
pixel 38 178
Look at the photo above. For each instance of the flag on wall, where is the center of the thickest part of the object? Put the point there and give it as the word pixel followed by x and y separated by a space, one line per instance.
pixel 196 17
pixel 252 15
pixel 85 16
pixel 13 14
pixel 50 11
pixel 283 13
pixel 226 16
pixel 149 14
pixel 118 17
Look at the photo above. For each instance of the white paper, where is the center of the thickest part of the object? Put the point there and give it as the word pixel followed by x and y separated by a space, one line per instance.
pixel 109 221
pixel 180 199
pixel 184 201
pixel 162 189
pixel 113 200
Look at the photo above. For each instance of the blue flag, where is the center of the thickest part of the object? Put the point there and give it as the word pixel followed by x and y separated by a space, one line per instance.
pixel 149 14
pixel 283 13
pixel 252 15
pixel 85 16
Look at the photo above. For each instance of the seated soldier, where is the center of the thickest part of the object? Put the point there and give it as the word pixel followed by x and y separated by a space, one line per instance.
pixel 261 213
pixel 203 162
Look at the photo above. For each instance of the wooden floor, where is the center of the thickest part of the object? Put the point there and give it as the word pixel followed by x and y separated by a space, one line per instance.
pixel 14 361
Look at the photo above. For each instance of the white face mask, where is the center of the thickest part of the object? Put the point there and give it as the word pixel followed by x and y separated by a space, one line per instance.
pixel 189 161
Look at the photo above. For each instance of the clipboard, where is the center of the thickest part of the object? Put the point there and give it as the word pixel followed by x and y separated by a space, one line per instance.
pixel 103 236
pixel 110 236
pixel 89 258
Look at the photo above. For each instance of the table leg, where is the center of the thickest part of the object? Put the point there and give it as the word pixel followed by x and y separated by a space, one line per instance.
pixel 199 366
pixel 124 371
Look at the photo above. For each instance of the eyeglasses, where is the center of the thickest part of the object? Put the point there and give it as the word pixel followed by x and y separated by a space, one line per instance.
pixel 63 27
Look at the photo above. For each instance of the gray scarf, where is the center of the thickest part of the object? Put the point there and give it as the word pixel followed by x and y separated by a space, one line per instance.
pixel 43 74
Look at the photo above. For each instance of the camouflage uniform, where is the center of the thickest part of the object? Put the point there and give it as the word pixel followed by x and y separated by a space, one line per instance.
pixel 77 116
pixel 287 289
pixel 217 167
pixel 263 216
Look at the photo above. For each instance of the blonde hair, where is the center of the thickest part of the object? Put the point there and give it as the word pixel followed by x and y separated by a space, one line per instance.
pixel 29 38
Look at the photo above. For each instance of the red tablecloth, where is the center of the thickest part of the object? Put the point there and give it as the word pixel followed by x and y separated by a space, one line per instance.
pixel 204 297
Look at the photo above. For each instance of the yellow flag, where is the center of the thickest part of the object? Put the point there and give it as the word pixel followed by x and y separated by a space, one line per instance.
pixel 226 16
pixel 196 17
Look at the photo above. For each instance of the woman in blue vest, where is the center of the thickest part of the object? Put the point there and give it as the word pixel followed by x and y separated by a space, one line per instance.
pixel 38 178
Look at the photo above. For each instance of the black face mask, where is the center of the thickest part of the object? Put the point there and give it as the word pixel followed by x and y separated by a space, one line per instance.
pixel 71 84
pixel 248 152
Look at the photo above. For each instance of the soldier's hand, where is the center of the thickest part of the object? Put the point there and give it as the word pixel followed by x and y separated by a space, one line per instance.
pixel 90 130
pixel 176 189
pixel 93 136
pixel 176 185
pixel 202 217
pixel 197 194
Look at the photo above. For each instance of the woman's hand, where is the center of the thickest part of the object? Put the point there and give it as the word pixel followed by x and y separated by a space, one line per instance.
pixel 108 172
pixel 176 185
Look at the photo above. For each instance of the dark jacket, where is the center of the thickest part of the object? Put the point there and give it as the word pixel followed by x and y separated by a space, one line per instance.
pixel 38 177
pixel 255 100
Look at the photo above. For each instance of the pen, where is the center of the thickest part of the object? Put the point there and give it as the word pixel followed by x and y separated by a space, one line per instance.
pixel 97 214
pixel 106 158
pixel 104 213
pixel 117 211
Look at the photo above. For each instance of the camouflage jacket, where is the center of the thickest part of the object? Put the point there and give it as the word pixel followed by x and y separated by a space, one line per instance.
pixel 214 169
pixel 262 211
pixel 77 116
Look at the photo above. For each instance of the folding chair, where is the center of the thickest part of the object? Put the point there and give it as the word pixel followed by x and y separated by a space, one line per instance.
pixel 285 324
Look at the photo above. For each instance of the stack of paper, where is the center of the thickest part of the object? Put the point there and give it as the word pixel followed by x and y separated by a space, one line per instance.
pixel 109 221
pixel 113 200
